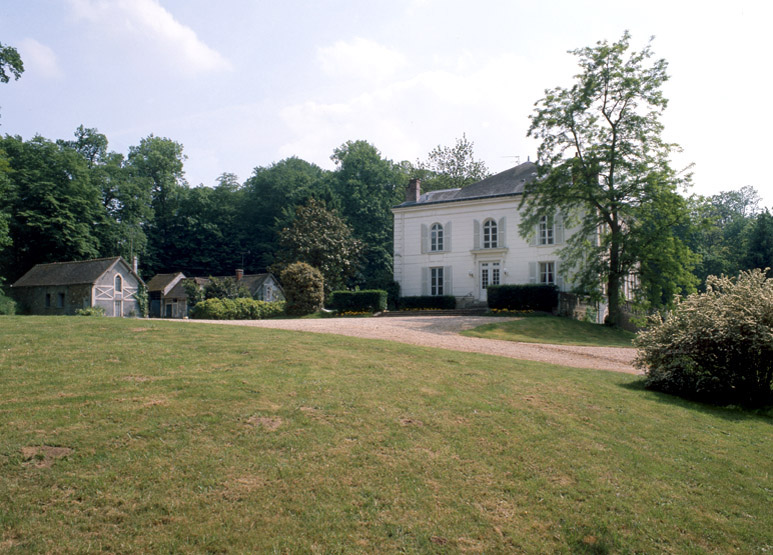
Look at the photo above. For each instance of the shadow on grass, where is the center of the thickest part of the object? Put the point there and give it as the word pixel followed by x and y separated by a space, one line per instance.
pixel 733 413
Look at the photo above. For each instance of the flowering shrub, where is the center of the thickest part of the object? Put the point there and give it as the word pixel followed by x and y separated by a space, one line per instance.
pixel 715 346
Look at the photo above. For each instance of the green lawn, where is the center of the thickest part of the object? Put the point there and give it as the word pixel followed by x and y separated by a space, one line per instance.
pixel 128 436
pixel 552 329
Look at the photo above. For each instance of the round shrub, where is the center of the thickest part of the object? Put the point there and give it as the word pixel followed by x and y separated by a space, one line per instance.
pixel 715 346
pixel 303 287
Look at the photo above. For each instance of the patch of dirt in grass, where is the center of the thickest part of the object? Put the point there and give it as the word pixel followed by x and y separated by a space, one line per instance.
pixel 43 456
pixel 270 423
pixel 236 489
pixel 138 379
pixel 411 422
pixel 138 330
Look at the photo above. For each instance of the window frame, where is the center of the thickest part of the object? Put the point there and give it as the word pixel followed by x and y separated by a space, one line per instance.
pixel 118 283
pixel 546 273
pixel 436 238
pixel 436 281
pixel 490 234
pixel 546 231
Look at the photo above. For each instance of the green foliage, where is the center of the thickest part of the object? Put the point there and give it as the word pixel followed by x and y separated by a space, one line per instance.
pixel 11 64
pixel 715 346
pixel 321 239
pixel 236 309
pixel 90 311
pixel 374 300
pixel 523 297
pixel 441 302
pixel 142 299
pixel 225 288
pixel 759 252
pixel 7 304
pixel 193 292
pixel 604 165
pixel 304 288
pixel 451 167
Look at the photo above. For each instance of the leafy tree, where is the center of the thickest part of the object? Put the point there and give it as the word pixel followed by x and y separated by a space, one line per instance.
pixel 760 246
pixel 604 165
pixel 321 239
pixel 52 203
pixel 11 64
pixel 304 288
pixel 156 164
pixel 225 288
pixel 271 196
pixel 367 186
pixel 451 167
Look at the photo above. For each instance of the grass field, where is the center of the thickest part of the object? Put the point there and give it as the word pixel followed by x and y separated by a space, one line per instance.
pixel 128 436
pixel 540 328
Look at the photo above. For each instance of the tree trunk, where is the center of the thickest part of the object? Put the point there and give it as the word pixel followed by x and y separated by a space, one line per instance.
pixel 613 283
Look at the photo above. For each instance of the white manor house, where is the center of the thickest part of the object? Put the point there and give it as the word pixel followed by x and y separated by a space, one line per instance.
pixel 459 241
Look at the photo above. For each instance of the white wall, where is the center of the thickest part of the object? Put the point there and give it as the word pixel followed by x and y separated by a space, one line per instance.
pixel 463 258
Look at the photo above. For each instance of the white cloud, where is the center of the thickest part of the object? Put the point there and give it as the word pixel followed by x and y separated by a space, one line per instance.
pixel 151 21
pixel 39 59
pixel 360 58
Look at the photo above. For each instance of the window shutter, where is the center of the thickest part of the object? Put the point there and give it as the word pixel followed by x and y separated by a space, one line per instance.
pixel 502 233
pixel 447 237
pixel 424 238
pixel 559 229
pixel 532 272
pixel 476 234
pixel 448 284
pixel 534 236
pixel 425 281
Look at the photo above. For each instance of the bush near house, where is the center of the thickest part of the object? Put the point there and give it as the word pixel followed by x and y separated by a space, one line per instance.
pixel 444 302
pixel 523 297
pixel 372 300
pixel 236 309
pixel 715 346
pixel 304 288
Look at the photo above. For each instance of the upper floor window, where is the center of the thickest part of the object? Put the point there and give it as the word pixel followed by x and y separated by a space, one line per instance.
pixel 436 237
pixel 118 284
pixel 546 233
pixel 490 235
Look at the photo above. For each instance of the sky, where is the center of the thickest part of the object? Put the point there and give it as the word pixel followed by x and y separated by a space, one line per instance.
pixel 245 83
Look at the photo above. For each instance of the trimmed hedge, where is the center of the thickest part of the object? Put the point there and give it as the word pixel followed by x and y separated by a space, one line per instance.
pixel 523 297
pixel 444 302
pixel 372 300
pixel 236 309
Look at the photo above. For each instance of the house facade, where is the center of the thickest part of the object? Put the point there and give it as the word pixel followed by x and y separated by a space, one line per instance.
pixel 62 288
pixel 459 241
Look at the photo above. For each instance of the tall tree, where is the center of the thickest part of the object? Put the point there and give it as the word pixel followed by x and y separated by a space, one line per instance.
pixel 321 239
pixel 157 163
pixel 760 247
pixel 604 165
pixel 452 167
pixel 367 186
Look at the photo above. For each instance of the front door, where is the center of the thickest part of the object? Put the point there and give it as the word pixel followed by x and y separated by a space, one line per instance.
pixel 488 274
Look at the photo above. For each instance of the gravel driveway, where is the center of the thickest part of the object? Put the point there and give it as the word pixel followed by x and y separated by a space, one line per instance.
pixel 442 332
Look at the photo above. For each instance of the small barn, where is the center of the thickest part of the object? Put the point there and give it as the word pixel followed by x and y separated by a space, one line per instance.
pixel 167 297
pixel 64 287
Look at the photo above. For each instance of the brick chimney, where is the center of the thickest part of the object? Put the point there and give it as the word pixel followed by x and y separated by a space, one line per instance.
pixel 413 191
pixel 239 274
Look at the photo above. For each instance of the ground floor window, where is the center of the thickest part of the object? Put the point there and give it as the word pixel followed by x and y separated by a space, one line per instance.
pixel 547 272
pixel 48 300
pixel 60 301
pixel 436 281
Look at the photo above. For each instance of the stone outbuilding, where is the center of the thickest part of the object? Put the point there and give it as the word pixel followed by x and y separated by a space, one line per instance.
pixel 64 287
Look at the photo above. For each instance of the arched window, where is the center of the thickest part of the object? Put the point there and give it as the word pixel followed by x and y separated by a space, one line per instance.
pixel 490 235
pixel 118 284
pixel 436 237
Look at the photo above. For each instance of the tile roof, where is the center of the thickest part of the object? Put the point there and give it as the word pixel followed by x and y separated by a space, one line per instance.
pixel 506 183
pixel 68 273
pixel 160 282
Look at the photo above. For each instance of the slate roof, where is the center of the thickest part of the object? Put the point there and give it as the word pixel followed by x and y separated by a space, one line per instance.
pixel 68 273
pixel 252 282
pixel 507 183
pixel 160 282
